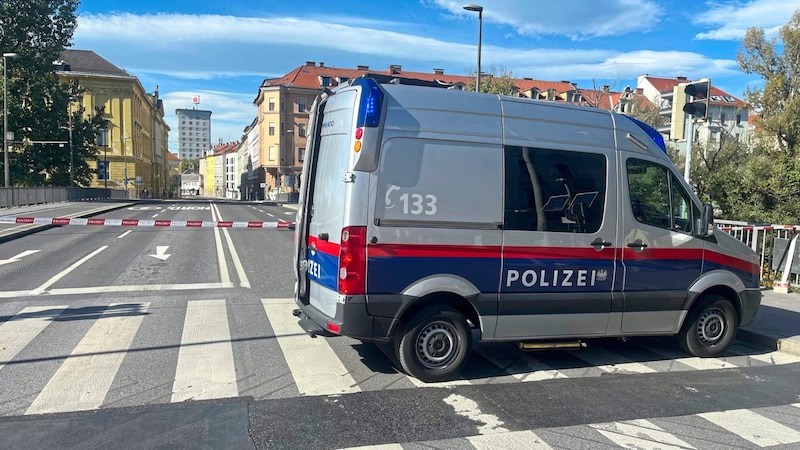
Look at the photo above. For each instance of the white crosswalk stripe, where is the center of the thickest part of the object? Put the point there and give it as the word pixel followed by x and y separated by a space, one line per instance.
pixel 18 333
pixel 315 367
pixel 754 427
pixel 205 363
pixel 640 434
pixel 82 381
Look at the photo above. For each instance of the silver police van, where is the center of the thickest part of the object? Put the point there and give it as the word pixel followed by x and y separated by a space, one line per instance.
pixel 430 219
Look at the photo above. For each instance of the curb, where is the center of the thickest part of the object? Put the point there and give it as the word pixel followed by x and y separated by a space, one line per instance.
pixel 788 345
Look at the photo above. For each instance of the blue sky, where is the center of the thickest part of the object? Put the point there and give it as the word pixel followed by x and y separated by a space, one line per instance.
pixel 222 50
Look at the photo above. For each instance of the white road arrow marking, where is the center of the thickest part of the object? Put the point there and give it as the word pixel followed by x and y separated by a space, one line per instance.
pixel 18 257
pixel 161 252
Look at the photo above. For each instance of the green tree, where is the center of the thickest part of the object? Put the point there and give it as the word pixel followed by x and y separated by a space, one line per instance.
pixel 187 164
pixel 38 31
pixel 777 104
pixel 496 81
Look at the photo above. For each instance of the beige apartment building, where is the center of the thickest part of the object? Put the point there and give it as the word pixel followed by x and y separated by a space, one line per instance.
pixel 138 135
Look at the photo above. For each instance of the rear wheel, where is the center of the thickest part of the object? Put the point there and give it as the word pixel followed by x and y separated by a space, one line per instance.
pixel 710 328
pixel 435 344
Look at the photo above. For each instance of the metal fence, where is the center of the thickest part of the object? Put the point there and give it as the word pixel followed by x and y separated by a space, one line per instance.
pixel 21 196
pixel 771 242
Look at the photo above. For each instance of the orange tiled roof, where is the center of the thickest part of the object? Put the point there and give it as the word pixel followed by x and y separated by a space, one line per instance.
pixel 722 97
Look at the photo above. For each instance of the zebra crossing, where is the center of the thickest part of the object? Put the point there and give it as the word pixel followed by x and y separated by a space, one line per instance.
pixel 773 427
pixel 60 358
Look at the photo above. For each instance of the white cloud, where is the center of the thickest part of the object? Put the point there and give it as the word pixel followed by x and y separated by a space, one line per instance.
pixel 731 20
pixel 576 19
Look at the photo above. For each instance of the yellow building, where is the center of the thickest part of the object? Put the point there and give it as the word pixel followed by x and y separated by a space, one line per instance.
pixel 209 179
pixel 137 150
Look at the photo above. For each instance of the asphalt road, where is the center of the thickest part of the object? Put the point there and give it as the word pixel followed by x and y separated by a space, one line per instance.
pixel 148 337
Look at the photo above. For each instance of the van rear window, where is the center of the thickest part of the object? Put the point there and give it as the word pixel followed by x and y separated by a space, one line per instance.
pixel 554 190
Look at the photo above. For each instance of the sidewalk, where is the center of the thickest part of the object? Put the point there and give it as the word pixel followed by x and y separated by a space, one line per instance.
pixel 777 324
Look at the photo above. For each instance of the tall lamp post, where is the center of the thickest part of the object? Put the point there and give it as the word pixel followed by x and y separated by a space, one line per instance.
pixel 291 178
pixel 479 9
pixel 72 98
pixel 5 117
pixel 102 140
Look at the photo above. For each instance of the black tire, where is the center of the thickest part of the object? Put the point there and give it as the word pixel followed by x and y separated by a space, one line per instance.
pixel 435 344
pixel 710 327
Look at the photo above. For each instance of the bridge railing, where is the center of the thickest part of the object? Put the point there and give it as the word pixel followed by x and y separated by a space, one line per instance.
pixel 21 196
pixel 771 242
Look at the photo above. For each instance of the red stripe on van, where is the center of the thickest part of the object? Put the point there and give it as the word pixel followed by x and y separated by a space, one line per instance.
pixel 730 261
pixel 320 245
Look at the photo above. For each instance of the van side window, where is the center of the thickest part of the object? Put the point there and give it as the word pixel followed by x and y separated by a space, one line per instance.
pixel 657 197
pixel 554 190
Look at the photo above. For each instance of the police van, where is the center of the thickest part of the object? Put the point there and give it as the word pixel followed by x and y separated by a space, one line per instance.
pixel 431 219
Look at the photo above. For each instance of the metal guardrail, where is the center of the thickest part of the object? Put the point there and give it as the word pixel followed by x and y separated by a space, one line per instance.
pixel 770 242
pixel 22 196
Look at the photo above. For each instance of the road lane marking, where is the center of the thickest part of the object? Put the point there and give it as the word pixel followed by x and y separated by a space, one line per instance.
pixel 223 264
pixel 640 434
pixel 120 288
pixel 693 361
pixel 205 361
pixel 753 427
pixel 237 263
pixel 776 358
pixel 83 380
pixel 124 234
pixel 17 257
pixel 23 327
pixel 66 271
pixel 314 365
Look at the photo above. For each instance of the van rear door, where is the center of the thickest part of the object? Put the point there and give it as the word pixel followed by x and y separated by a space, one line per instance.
pixel 322 215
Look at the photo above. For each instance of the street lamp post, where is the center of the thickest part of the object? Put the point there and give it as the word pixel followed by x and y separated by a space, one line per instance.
pixel 5 117
pixel 291 133
pixel 72 98
pixel 479 10
pixel 102 140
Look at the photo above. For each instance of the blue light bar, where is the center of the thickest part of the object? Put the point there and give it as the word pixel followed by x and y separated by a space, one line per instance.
pixel 369 107
pixel 654 135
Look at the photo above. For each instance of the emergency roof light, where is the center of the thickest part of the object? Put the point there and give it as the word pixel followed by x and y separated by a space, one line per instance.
pixel 369 107
pixel 652 132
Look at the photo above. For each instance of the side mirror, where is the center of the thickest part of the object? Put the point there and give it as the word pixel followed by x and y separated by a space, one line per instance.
pixel 704 223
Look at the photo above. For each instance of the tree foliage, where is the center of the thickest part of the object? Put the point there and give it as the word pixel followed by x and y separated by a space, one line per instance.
pixel 38 105
pixel 497 81
pixel 775 169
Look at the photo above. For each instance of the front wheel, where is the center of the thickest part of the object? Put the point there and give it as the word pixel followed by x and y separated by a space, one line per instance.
pixel 435 344
pixel 710 327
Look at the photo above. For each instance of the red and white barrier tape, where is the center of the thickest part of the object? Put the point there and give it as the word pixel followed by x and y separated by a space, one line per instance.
pixel 144 223
pixel 760 228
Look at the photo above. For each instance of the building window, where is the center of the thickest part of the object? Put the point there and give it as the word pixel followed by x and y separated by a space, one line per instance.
pixel 324 81
pixel 722 117
pixel 272 128
pixel 273 154
pixel 738 119
pixel 301 105
pixel 301 154
pixel 272 104
pixel 301 130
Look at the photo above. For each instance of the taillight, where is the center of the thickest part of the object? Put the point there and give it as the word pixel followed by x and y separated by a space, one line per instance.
pixel 353 261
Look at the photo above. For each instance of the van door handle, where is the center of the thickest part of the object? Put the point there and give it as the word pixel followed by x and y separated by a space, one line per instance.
pixel 637 244
pixel 600 243
pixel 323 236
